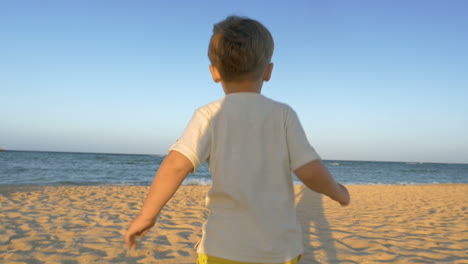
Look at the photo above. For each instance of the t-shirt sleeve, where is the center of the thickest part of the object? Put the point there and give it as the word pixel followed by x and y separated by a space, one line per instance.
pixel 300 150
pixel 195 141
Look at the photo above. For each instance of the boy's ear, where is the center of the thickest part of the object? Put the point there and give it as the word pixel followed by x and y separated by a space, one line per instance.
pixel 267 72
pixel 215 74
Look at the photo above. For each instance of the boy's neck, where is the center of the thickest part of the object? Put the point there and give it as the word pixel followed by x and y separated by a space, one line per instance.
pixel 242 86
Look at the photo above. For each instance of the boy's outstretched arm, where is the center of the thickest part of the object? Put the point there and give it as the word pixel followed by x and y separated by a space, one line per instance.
pixel 167 180
pixel 317 177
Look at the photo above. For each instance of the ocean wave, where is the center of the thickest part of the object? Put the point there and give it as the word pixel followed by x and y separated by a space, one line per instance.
pixel 393 183
pixel 197 181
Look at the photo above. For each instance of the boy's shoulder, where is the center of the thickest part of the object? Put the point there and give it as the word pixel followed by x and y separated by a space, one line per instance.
pixel 211 108
pixel 214 107
pixel 279 104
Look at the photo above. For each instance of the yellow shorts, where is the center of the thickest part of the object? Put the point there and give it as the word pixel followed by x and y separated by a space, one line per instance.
pixel 205 259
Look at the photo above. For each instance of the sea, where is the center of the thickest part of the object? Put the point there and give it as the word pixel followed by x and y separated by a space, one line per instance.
pixel 77 169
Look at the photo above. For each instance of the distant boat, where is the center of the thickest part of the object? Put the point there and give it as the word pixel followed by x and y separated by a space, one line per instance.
pixel 2 149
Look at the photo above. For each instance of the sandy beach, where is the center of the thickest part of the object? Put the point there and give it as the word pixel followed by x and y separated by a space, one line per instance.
pixel 384 224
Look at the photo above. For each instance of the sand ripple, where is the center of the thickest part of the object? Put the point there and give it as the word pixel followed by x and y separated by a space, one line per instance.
pixel 384 224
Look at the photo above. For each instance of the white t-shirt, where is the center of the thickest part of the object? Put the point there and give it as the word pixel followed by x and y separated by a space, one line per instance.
pixel 251 144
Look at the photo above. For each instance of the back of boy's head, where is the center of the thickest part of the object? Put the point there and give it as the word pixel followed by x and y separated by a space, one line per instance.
pixel 240 48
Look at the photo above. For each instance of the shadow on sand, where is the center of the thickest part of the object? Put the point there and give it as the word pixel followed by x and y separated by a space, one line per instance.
pixel 319 245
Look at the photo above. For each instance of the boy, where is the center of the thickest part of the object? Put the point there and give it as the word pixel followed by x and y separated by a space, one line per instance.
pixel 252 144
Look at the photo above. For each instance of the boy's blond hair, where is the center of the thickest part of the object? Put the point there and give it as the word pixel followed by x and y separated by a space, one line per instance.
pixel 240 48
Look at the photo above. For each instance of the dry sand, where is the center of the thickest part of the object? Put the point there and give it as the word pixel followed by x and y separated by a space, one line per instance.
pixel 384 224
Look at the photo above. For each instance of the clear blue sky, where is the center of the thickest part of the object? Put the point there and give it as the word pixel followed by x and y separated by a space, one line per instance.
pixel 370 80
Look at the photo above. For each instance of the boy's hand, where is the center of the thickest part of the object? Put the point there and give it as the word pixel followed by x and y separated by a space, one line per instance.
pixel 317 178
pixel 345 198
pixel 138 227
pixel 173 170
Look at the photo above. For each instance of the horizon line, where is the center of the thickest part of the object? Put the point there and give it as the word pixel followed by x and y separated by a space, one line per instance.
pixel 154 154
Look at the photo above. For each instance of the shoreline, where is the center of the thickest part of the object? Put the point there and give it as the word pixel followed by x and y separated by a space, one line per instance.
pixel 85 224
pixel 25 187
